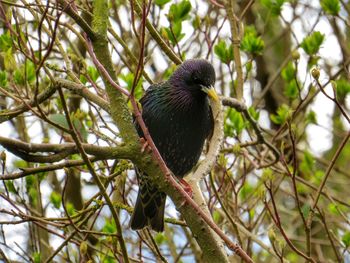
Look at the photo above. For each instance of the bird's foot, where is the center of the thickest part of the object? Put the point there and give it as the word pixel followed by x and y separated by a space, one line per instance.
pixel 145 146
pixel 187 187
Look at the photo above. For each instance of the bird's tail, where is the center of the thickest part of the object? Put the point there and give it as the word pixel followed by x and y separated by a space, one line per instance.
pixel 149 207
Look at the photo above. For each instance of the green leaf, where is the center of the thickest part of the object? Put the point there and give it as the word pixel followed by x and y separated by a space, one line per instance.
pixel 83 248
pixel 275 6
pixel 5 42
pixel 342 88
pixel 311 44
pixel 332 208
pixel 253 113
pixel 109 227
pixel 25 73
pixel 292 257
pixel 10 63
pixel 160 238
pixel 78 124
pixel 30 181
pixel 176 29
pixel 168 71
pixel 224 52
pixel 173 33
pixel 249 66
pixel 305 209
pixel 252 213
pixel 337 209
pixel 302 189
pixel 346 239
pixel 18 77
pixel 56 199
pixel 220 50
pixel 271 235
pixel 267 174
pixel 236 121
pixel 184 9
pixel 161 3
pixel 30 71
pixel 291 90
pixel 222 161
pixel 83 79
pixel 80 128
pixel 109 259
pixel 93 73
pixel 331 7
pixel 59 119
pixel 283 114
pixel 196 22
pixel 307 164
pixel 36 257
pixel 33 195
pixel 129 80
pixel 216 217
pixel 246 190
pixel 251 42
pixel 260 192
pixel 20 164
pixel 3 79
pixel 10 186
pixel 311 117
pixel 317 177
pixel 288 72
pixel 70 208
pixel 178 12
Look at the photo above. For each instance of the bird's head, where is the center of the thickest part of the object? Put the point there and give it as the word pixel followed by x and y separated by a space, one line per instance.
pixel 196 76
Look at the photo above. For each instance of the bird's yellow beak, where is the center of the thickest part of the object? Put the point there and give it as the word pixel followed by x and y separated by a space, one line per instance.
pixel 211 92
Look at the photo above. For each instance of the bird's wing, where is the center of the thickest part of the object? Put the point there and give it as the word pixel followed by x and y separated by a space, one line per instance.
pixel 151 103
pixel 152 91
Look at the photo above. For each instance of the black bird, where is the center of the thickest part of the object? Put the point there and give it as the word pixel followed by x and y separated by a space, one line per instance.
pixel 179 119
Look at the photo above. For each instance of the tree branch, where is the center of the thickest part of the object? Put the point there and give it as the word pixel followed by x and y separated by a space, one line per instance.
pixel 6 115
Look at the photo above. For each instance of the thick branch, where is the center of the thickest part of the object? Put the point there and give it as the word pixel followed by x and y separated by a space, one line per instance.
pixel 202 170
pixel 84 92
pixel 236 41
pixel 60 151
pixel 119 109
pixel 214 144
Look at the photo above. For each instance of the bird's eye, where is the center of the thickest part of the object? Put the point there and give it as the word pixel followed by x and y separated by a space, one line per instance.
pixel 196 79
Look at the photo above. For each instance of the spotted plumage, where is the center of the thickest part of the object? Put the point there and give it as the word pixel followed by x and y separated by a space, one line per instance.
pixel 179 119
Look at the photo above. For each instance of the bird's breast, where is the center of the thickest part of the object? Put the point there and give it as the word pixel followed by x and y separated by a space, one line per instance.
pixel 179 137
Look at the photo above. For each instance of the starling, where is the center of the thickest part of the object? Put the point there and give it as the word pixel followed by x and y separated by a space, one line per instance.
pixel 179 119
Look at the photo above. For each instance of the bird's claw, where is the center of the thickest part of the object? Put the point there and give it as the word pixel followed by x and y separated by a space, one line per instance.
pixel 187 187
pixel 145 146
